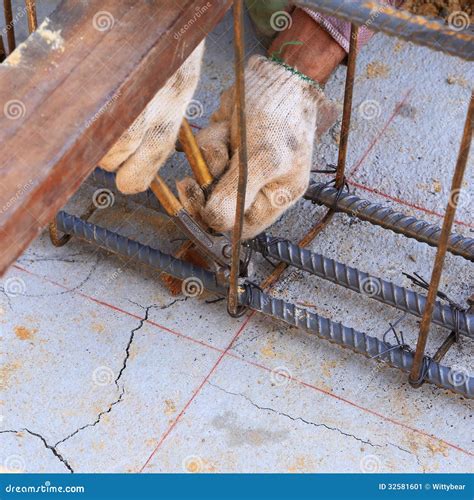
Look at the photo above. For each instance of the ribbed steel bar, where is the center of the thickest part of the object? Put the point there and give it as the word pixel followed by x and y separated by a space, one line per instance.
pixel 456 38
pixel 359 342
pixel 388 218
pixel 198 277
pixel 106 180
pixel 362 282
pixel 259 301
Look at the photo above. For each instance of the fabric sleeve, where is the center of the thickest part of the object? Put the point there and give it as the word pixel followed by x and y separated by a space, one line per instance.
pixel 341 30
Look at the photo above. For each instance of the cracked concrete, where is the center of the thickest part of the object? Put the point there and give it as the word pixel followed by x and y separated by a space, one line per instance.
pixel 97 358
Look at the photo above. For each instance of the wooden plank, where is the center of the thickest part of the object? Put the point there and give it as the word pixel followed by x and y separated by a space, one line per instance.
pixel 71 90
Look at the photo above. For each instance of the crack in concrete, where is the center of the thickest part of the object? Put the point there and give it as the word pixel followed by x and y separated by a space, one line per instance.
pixel 34 257
pixel 122 369
pixel 50 447
pixel 308 422
pixel 407 451
pixel 129 344
pixel 96 421
pixel 317 424
pixel 140 325
pixel 69 290
pixel 2 290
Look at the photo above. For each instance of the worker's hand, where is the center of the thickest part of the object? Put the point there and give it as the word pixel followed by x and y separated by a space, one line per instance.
pixel 147 144
pixel 284 111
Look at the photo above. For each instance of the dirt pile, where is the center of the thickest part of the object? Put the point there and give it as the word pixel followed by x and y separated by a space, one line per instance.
pixel 440 8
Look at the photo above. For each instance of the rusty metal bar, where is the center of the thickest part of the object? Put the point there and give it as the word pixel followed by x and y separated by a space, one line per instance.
pixel 60 240
pixel 450 39
pixel 416 373
pixel 9 26
pixel 31 14
pixel 347 110
pixel 239 54
pixel 194 155
pixel 3 54
pixel 443 349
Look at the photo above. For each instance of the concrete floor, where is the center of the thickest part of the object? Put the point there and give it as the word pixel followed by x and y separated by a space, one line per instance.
pixel 103 371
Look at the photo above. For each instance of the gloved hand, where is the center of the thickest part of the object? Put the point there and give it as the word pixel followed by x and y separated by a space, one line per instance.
pixel 284 111
pixel 146 145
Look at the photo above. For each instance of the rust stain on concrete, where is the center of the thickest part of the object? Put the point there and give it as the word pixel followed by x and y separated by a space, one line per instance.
pixel 24 333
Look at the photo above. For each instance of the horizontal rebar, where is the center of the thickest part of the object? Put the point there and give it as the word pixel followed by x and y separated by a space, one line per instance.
pixel 359 342
pixel 455 37
pixel 116 243
pixel 388 218
pixel 396 356
pixel 106 180
pixel 361 282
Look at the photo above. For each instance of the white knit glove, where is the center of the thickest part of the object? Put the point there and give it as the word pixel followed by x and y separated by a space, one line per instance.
pixel 283 113
pixel 146 145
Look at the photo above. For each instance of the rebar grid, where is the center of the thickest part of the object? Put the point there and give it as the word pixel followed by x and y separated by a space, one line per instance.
pixel 250 296
pixel 361 343
pixel 361 282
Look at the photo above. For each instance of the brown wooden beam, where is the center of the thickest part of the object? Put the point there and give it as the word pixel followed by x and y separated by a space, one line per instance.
pixel 71 90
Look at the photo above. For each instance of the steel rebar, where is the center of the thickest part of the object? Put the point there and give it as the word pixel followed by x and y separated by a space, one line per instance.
pixel 250 296
pixel 9 25
pixel 396 356
pixel 362 282
pixel 347 109
pixel 388 218
pixel 75 226
pixel 455 38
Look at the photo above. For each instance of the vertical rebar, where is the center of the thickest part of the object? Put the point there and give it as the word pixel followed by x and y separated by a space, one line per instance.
pixel 416 375
pixel 10 28
pixel 3 54
pixel 31 14
pixel 347 109
pixel 233 298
